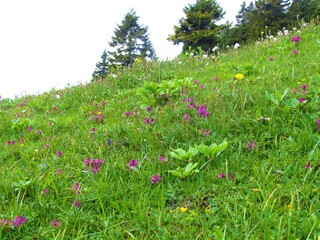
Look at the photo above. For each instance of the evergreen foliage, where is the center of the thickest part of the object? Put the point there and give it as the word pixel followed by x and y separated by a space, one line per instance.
pixel 199 28
pixel 101 67
pixel 130 41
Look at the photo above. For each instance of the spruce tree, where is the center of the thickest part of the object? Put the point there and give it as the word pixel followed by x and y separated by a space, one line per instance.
pixel 199 28
pixel 130 41
pixel 101 67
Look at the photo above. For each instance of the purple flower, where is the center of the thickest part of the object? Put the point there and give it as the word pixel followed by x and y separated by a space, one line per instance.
pixel 294 90
pixel 59 153
pixel 186 117
pixel 76 204
pixel 76 188
pixel 221 175
pixel 271 58
pixel 162 158
pixel 128 114
pixel 59 171
pixel 19 220
pixel 202 111
pixel 304 87
pixel 155 179
pixel 295 39
pixel 318 122
pixel 187 100
pixel 148 108
pixel 55 223
pixel 132 164
pixel 302 100
pixel 202 87
pixel 251 145
pixel 195 82
pixel 94 164
pixel 92 130
pixel 44 191
pixel 216 78
pixel 21 140
pixel 206 132
pixel 11 142
pixel 294 51
pixel 148 120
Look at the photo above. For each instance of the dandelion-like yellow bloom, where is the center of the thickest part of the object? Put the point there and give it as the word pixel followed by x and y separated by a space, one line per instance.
pixel 239 76
pixel 183 209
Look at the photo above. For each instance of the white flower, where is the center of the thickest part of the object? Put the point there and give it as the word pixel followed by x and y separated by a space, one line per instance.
pixel 286 32
pixel 57 96
pixel 236 46
pixel 148 53
pixel 205 56
pixel 215 48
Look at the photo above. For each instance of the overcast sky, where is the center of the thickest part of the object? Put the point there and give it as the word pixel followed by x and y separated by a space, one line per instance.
pixel 47 44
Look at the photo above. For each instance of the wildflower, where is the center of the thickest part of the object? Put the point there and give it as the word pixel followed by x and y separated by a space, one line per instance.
pixel 221 175
pixel 206 132
pixel 59 171
pixel 202 111
pixel 308 166
pixel 94 164
pixel 215 48
pixel 236 46
pixel 148 108
pixel 195 82
pixel 44 191
pixel 187 100
pixel 39 132
pixel 251 145
pixel 183 209
pixel 22 141
pixel 295 39
pixel 271 58
pixel 132 164
pixel 59 153
pixel 202 87
pixel 155 178
pixel 302 100
pixel 55 223
pixel 186 117
pixel 216 78
pixel 128 114
pixel 162 159
pixel 239 76
pixel 109 141
pixel 76 188
pixel 103 103
pixel 76 204
pixel 92 130
pixel 318 122
pixel 11 142
pixel 148 120
pixel 45 146
pixel 304 87
pixel 294 51
pixel 19 220
pixel 294 90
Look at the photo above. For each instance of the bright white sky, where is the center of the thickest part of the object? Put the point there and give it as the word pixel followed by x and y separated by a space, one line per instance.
pixel 47 44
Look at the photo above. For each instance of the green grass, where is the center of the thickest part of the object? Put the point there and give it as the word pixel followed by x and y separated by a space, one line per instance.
pixel 267 191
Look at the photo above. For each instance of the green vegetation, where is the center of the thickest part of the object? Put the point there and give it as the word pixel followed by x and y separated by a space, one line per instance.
pixel 227 148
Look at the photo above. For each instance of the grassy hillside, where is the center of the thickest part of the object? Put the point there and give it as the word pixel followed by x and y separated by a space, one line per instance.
pixel 200 147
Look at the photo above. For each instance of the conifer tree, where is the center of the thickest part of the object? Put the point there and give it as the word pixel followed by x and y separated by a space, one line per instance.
pixel 199 28
pixel 130 41
pixel 101 67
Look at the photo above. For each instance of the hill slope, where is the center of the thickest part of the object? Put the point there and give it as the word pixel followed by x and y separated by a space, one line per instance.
pixel 201 147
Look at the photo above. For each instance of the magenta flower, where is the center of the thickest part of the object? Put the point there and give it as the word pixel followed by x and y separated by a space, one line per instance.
pixel 76 188
pixel 44 191
pixel 295 39
pixel 45 146
pixel 221 175
pixel 202 111
pixel 294 90
pixel 19 220
pixel 186 117
pixel 318 122
pixel 195 82
pixel 271 58
pixel 132 164
pixel 155 179
pixel 22 140
pixel 128 114
pixel 294 51
pixel 162 158
pixel 59 153
pixel 55 223
pixel 251 145
pixel 148 108
pixel 216 78
pixel 58 171
pixel 94 164
pixel 148 120
pixel 92 130
pixel 202 87
pixel 304 87
pixel 187 100
pixel 302 100
pixel 206 132
pixel 76 204
pixel 11 142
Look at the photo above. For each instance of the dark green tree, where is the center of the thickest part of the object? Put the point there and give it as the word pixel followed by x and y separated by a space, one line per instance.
pixel 130 41
pixel 199 28
pixel 304 9
pixel 101 67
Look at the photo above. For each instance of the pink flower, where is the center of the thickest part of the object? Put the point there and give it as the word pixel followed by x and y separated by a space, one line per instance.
pixel 251 145
pixel 148 108
pixel 92 130
pixel 202 111
pixel 55 223
pixel 58 171
pixel 59 153
pixel 132 164
pixel 308 166
pixel 302 100
pixel 19 220
pixel 271 58
pixel 294 51
pixel 206 132
pixel 76 188
pixel 94 164
pixel 295 39
pixel 11 142
pixel 186 117
pixel 162 158
pixel 76 204
pixel 221 175
pixel 155 179
pixel 318 122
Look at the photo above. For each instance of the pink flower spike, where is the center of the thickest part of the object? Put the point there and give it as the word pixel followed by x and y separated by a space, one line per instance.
pixel 155 179
pixel 55 223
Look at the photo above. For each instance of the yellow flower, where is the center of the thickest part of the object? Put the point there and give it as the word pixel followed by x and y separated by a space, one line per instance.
pixel 183 209
pixel 239 76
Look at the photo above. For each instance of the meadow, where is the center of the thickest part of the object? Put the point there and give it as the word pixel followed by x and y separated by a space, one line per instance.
pixel 222 146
